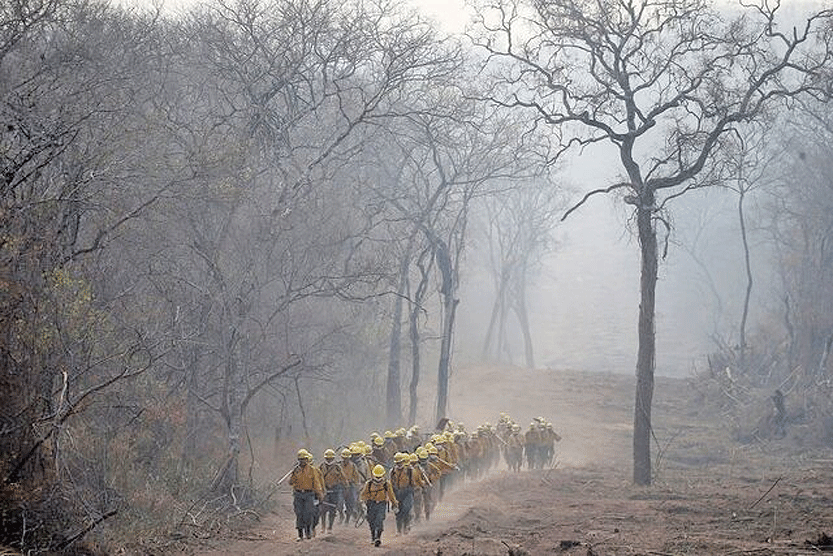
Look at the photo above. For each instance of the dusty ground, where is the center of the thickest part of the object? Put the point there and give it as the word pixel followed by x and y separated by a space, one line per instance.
pixel 710 496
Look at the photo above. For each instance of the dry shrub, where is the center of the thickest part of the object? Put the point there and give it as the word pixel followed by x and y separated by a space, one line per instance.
pixel 765 402
pixel 45 521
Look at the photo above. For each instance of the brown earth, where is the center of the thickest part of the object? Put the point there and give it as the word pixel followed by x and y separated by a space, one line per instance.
pixel 710 495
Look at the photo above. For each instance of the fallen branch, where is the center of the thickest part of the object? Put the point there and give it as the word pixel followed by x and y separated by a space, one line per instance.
pixel 86 529
pixel 767 492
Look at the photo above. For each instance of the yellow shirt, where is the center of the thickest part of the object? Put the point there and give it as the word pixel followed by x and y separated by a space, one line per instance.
pixel 351 472
pixel 307 478
pixel 432 471
pixel 405 476
pixel 378 491
pixel 333 475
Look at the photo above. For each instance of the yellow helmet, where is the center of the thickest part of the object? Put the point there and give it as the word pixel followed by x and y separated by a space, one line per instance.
pixel 356 450
pixel 388 434
pixel 398 457
pixel 329 453
pixel 433 450
pixel 422 453
pixel 378 471
pixel 345 453
pixel 303 454
pixel 378 441
pixel 367 450
pixel 428 446
pixel 413 458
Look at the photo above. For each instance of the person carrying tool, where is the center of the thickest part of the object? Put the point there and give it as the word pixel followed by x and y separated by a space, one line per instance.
pixel 334 483
pixel 432 475
pixel 376 494
pixel 354 480
pixel 307 486
pixel 404 480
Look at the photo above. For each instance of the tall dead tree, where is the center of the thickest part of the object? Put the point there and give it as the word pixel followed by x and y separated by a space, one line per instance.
pixel 665 83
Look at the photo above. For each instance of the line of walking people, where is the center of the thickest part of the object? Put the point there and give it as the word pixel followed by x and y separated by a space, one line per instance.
pixel 403 470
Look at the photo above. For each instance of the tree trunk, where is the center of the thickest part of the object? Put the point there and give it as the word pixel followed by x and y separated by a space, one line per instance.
pixel 393 396
pixel 190 445
pixel 227 476
pixel 523 319
pixel 498 309
pixel 647 341
pixel 419 296
pixel 412 390
pixel 449 308
pixel 748 266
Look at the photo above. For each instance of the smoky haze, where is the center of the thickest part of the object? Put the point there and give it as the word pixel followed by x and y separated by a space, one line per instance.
pixel 229 233
pixel 584 303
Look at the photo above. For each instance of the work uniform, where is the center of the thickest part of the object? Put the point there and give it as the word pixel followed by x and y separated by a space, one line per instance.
pixel 514 450
pixel 306 487
pixel 446 466
pixel 432 475
pixel 334 484
pixel 532 441
pixel 316 515
pixel 377 493
pixel 405 479
pixel 380 456
pixel 351 490
pixel 419 492
pixel 550 437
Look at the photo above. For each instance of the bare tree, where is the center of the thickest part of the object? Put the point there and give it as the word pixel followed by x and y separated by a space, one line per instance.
pixel 518 224
pixel 750 164
pixel 664 83
pixel 446 155
pixel 76 173
pixel 799 208
pixel 281 95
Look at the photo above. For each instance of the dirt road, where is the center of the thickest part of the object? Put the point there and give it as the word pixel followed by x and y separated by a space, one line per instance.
pixel 710 496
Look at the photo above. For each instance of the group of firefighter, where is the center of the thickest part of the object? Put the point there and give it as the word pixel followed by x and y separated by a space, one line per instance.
pixel 408 471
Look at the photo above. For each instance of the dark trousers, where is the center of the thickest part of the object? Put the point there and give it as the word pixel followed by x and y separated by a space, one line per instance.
pixel 531 456
pixel 405 496
pixel 376 518
pixel 304 506
pixel 350 502
pixel 333 502
pixel 428 501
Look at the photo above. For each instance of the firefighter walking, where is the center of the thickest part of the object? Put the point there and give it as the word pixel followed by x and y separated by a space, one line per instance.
pixel 306 488
pixel 404 480
pixel 377 494
pixel 334 484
